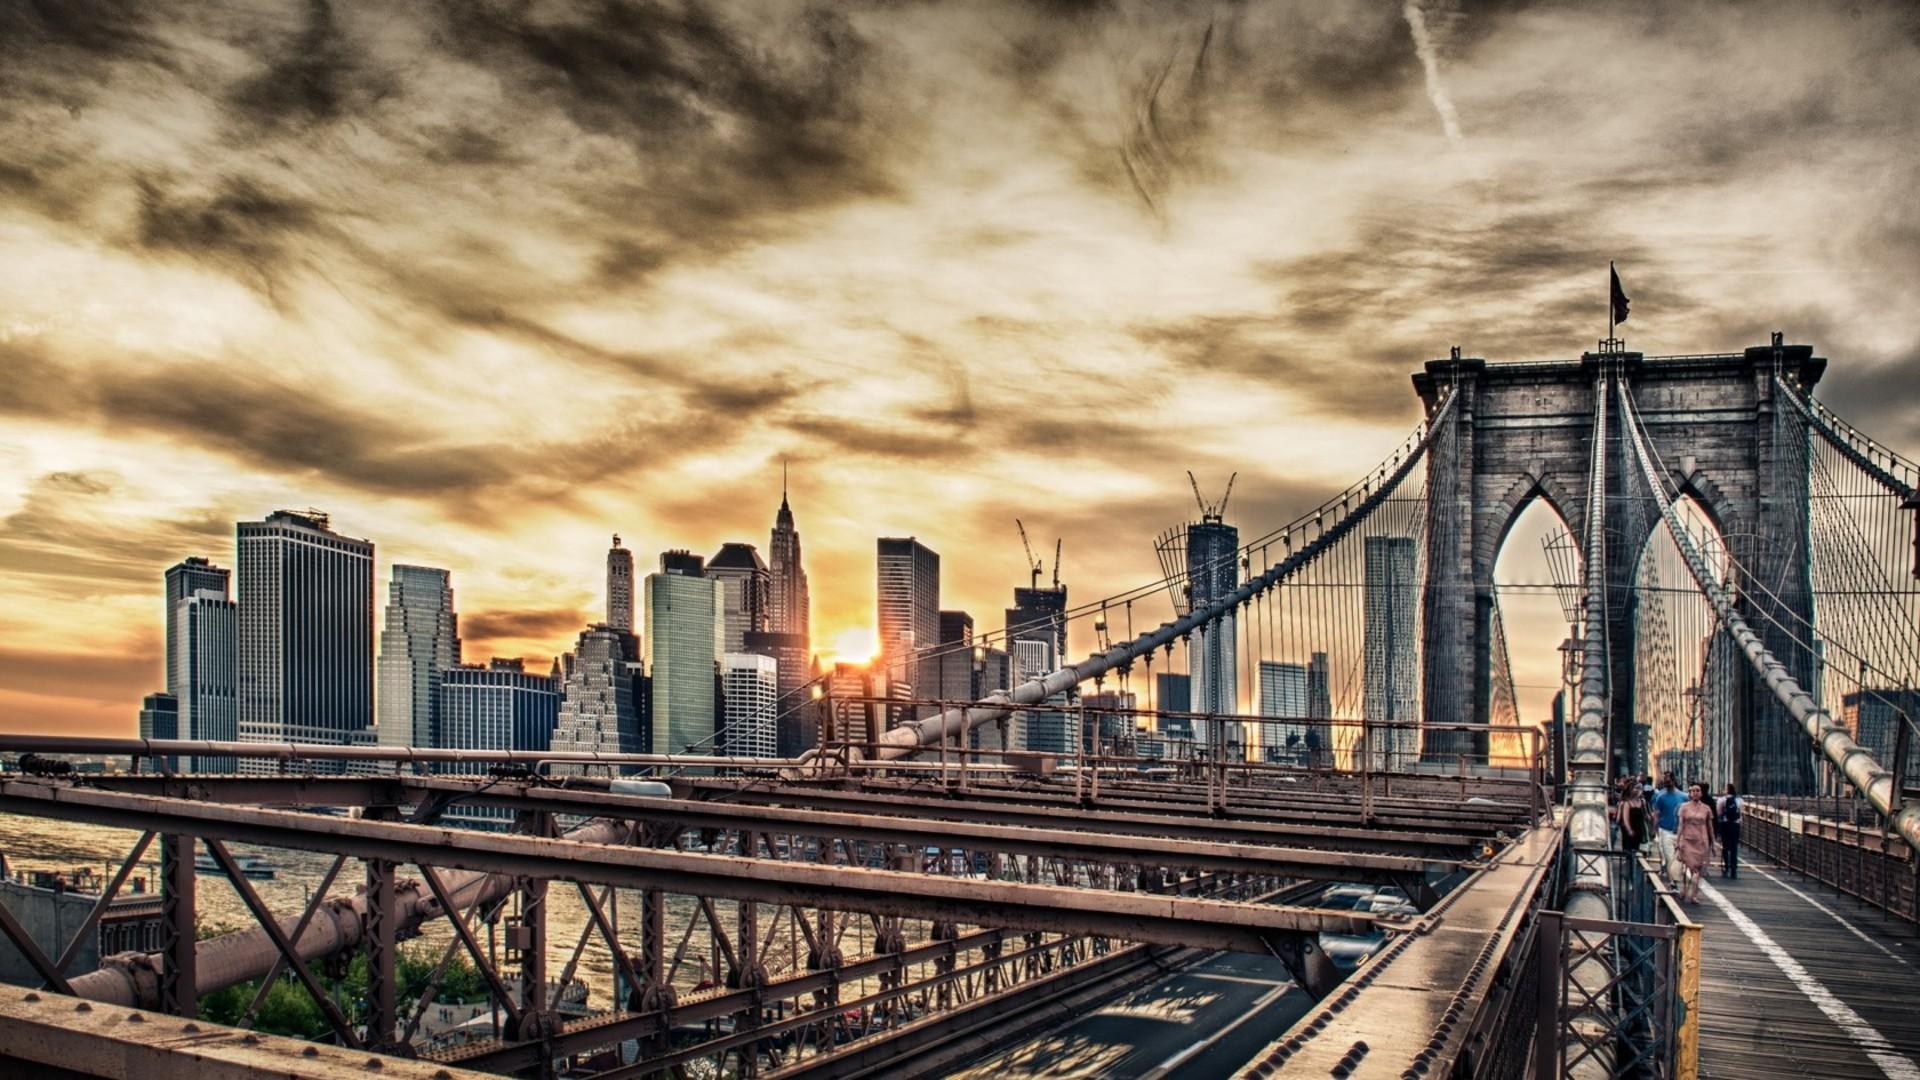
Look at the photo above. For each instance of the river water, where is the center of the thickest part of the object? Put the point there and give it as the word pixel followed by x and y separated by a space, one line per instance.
pixel 31 843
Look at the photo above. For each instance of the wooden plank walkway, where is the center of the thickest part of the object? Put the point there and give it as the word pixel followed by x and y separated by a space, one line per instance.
pixel 1830 989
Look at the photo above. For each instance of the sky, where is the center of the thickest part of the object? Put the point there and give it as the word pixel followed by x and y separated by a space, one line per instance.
pixel 489 280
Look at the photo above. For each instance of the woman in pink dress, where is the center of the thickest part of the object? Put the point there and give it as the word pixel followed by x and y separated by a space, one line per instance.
pixel 1693 842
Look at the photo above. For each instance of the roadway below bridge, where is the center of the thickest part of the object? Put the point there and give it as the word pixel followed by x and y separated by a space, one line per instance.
pixel 1205 1020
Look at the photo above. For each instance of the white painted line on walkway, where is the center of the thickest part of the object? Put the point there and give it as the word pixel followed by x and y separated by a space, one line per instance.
pixel 1895 1065
pixel 1831 914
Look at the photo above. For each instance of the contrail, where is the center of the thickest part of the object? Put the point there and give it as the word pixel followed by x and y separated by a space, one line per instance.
pixel 1436 91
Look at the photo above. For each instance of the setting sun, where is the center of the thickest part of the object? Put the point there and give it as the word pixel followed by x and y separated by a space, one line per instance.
pixel 855 646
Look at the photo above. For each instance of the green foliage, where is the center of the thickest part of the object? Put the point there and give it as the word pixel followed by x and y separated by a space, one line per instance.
pixel 289 1010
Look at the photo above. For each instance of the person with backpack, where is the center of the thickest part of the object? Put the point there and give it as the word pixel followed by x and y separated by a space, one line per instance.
pixel 1726 818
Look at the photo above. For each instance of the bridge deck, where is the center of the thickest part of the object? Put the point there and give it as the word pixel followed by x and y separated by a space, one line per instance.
pixel 1797 980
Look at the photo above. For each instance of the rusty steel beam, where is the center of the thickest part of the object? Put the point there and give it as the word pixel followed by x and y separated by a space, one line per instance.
pixel 1438 845
pixel 1063 842
pixel 46 1034
pixel 1131 916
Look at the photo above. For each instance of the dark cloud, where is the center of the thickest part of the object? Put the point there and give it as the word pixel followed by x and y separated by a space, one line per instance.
pixel 123 673
pixel 521 624
pixel 727 121
pixel 241 226
pixel 65 533
pixel 283 427
pixel 313 75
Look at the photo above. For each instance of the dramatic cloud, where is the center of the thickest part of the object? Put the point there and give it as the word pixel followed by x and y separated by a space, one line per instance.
pixel 490 280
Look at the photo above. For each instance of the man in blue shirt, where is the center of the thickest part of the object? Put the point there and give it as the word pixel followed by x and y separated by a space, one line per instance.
pixel 1666 808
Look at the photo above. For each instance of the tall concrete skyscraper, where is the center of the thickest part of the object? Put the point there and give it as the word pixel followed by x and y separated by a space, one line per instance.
pixel 788 603
pixel 421 638
pixel 185 578
pixel 206 658
pixel 597 707
pixel 1389 647
pixel 1213 571
pixel 1173 693
pixel 619 586
pixel 909 612
pixel 750 688
pixel 496 706
pixel 745 588
pixel 683 641
pixel 306 632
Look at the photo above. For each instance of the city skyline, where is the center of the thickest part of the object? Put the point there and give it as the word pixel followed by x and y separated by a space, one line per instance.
pixel 450 287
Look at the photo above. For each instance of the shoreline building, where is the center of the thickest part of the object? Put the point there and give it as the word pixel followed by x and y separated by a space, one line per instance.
pixel 188 577
pixel 160 719
pixel 683 641
pixel 597 710
pixel 496 706
pixel 619 586
pixel 1390 648
pixel 750 692
pixel 907 600
pixel 421 639
pixel 305 634
pixel 206 656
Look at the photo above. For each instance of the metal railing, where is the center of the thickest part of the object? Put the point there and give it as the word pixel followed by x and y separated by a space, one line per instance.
pixel 1618 997
pixel 1858 858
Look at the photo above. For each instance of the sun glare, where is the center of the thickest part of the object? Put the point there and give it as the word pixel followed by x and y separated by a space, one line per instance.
pixel 855 646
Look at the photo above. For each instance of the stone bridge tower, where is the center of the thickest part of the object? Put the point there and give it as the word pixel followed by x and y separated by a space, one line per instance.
pixel 1525 433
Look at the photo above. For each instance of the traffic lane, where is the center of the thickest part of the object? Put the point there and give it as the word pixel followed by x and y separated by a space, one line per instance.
pixel 1146 1032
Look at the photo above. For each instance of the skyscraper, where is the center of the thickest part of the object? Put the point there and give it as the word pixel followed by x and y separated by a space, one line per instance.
pixel 496 707
pixel 796 730
pixel 844 719
pixel 1040 614
pixel 421 639
pixel 1043 732
pixel 206 658
pixel 619 586
pixel 683 646
pixel 1284 692
pixel 597 709
pixel 1213 571
pixel 745 587
pixel 1319 707
pixel 787 607
pixel 160 719
pixel 185 578
pixel 1391 683
pixel 306 632
pixel 909 612
pixel 750 688
pixel 1173 693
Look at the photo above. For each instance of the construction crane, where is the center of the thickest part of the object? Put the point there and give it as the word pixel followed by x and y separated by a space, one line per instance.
pixel 1212 511
pixel 1056 561
pixel 1034 565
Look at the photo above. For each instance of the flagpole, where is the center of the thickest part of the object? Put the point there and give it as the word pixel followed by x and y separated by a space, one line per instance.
pixel 1610 274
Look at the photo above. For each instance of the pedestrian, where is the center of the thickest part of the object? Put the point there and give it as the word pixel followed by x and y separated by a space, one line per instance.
pixel 1693 841
pixel 1666 812
pixel 1631 817
pixel 1726 817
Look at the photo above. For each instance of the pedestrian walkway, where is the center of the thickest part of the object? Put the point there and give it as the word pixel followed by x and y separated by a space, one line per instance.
pixel 1798 980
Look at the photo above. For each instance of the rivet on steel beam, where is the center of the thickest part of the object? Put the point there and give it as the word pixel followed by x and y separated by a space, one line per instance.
pixel 136 1018
pixel 373 1065
pixel 190 1028
pixel 83 1007
pixel 311 1051
pixel 250 1040
pixel 31 996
